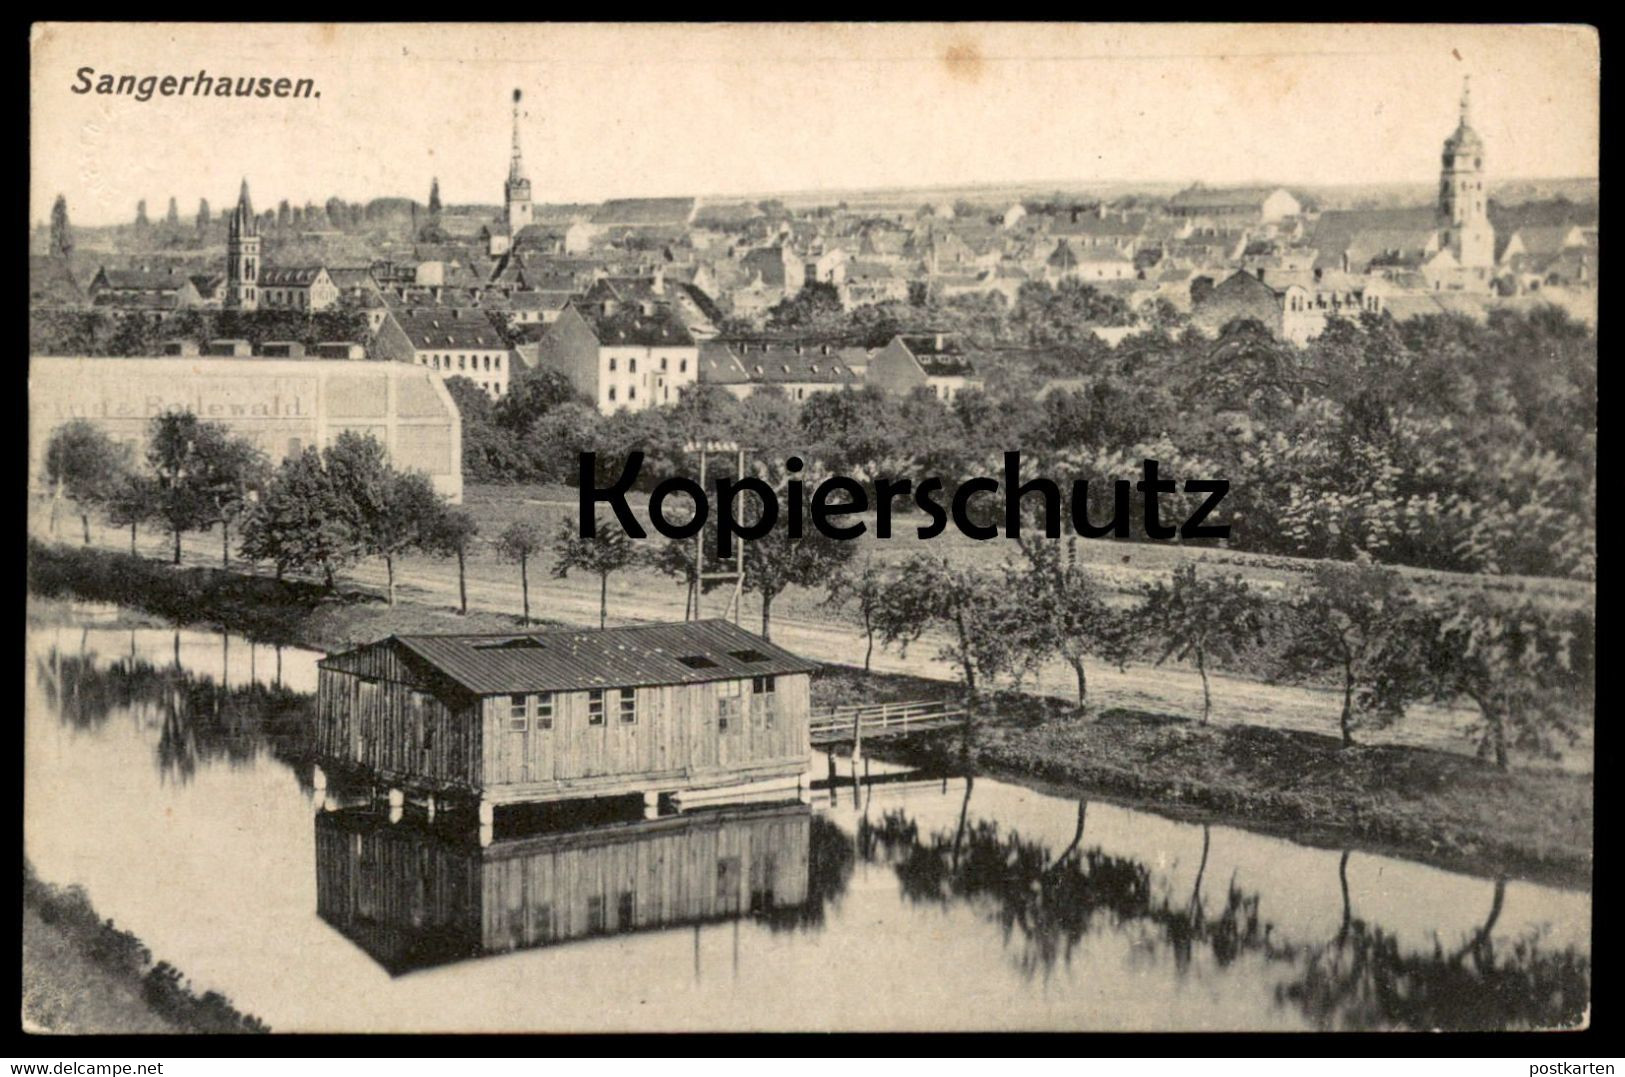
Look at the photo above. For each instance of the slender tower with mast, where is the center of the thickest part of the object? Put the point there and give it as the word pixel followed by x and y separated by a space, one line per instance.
pixel 516 192
pixel 1463 211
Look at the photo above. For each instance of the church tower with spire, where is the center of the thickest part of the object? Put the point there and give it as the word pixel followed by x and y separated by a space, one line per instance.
pixel 1463 213
pixel 242 255
pixel 516 192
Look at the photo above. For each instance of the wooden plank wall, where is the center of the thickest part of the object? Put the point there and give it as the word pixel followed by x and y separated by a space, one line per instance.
pixel 704 871
pixel 677 730
pixel 403 895
pixel 379 718
pixel 397 896
pixel 377 714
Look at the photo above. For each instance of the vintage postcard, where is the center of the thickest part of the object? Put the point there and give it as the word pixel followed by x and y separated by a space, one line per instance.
pixel 821 527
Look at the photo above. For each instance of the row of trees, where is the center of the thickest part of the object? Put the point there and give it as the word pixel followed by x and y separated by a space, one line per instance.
pixel 1385 646
pixel 113 332
pixel 317 512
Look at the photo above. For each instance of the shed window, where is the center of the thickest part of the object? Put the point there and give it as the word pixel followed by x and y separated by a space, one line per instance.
pixel 762 686
pixel 629 705
pixel 518 714
pixel 544 711
pixel 729 706
pixel 595 707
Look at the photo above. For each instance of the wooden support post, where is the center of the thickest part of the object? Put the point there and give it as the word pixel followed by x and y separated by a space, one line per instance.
pixel 429 806
pixel 318 779
pixel 488 813
pixel 651 805
pixel 486 836
pixel 397 799
pixel 857 735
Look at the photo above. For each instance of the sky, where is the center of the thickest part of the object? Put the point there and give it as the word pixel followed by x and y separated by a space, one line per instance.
pixel 718 109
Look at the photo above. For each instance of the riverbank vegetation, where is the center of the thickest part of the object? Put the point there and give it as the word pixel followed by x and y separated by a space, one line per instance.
pixel 84 974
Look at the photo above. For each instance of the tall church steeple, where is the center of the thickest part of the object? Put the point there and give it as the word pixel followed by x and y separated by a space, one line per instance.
pixel 1463 213
pixel 516 193
pixel 242 255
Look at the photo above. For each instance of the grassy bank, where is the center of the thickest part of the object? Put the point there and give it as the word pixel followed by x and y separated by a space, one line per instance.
pixel 1432 805
pixel 1441 807
pixel 290 612
pixel 81 974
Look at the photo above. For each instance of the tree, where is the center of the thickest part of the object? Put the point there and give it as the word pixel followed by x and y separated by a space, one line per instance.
pixel 1357 622
pixel 84 464
pixel 675 558
pixel 865 589
pixel 518 543
pixel 1526 669
pixel 453 535
pixel 175 452
pixel 434 197
pixel 141 215
pixel 61 231
pixel 533 396
pixel 132 502
pixel 777 560
pixel 1069 604
pixel 173 216
pixel 203 216
pixel 405 517
pixel 233 473
pixel 989 626
pixel 300 521
pixel 1201 620
pixel 387 512
pixel 284 214
pixel 607 551
pixel 817 306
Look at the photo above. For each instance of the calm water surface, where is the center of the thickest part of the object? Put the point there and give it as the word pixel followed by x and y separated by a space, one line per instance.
pixel 165 777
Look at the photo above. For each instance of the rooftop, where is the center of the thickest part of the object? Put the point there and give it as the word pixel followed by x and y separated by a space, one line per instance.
pixel 563 660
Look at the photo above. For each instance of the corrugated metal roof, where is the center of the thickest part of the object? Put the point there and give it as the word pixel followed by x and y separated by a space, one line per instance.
pixel 576 659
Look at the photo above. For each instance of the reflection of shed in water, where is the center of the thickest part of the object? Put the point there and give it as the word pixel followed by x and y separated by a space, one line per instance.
pixel 413 898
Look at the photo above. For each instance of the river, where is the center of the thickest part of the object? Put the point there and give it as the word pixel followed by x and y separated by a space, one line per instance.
pixel 165 774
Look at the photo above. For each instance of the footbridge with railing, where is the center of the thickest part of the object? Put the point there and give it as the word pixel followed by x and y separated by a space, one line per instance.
pixel 858 723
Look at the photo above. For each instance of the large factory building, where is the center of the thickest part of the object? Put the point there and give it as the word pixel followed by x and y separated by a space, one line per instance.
pixel 282 405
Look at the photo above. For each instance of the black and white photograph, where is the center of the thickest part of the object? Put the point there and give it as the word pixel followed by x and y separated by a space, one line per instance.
pixel 819 527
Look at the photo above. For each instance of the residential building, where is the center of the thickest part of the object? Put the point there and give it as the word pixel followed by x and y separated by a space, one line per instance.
pixel 456 342
pixel 302 288
pixel 632 356
pixel 935 362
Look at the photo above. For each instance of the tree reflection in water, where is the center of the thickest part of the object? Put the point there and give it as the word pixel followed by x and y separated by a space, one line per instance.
pixel 198 719
pixel 830 861
pixel 1360 979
